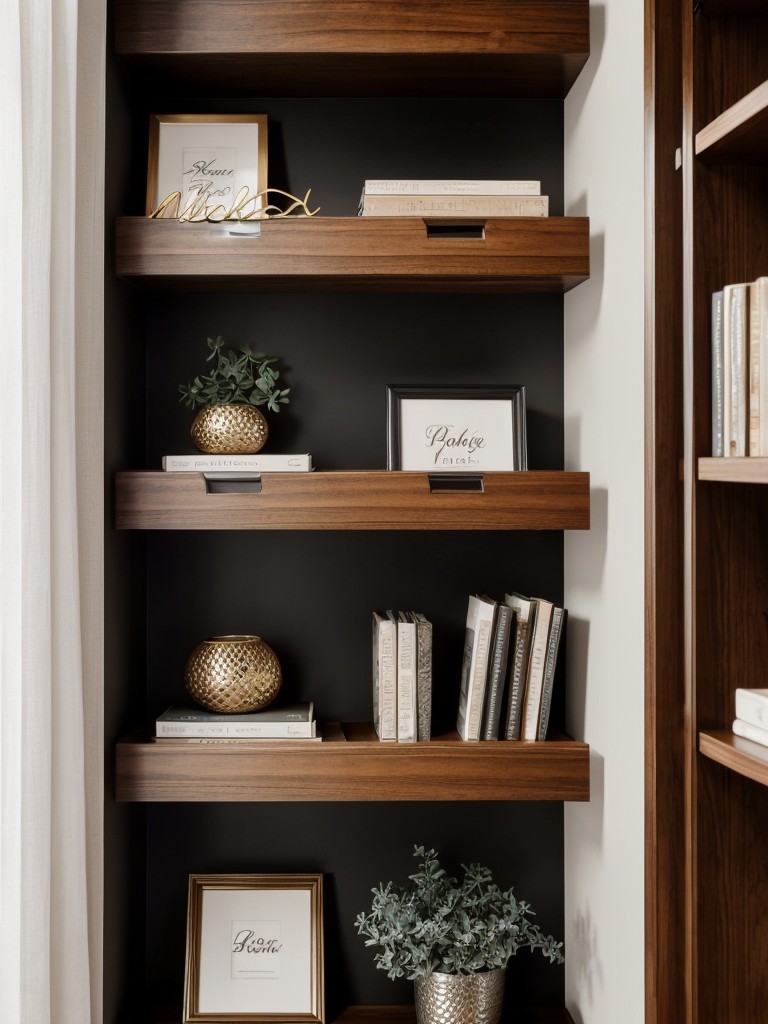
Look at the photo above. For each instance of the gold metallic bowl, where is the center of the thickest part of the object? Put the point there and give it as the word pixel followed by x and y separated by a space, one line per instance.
pixel 233 674
pixel 236 429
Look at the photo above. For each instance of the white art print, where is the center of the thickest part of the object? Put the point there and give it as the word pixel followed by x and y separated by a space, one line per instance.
pixel 207 158
pixel 254 948
pixel 481 432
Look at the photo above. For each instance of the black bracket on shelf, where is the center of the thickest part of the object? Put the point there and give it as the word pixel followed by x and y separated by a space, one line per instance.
pixel 456 482
pixel 454 229
pixel 228 483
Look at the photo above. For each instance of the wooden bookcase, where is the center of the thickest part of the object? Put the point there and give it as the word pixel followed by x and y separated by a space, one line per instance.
pixel 707 541
pixel 181 808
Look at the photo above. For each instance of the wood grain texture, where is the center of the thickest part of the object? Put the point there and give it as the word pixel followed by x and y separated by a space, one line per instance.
pixel 734 470
pixel 345 253
pixel 664 694
pixel 375 500
pixel 731 7
pixel 367 47
pixel 736 753
pixel 740 133
pixel 351 764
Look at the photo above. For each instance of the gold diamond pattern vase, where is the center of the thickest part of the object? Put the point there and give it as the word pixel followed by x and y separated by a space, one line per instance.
pixel 234 429
pixel 460 998
pixel 233 674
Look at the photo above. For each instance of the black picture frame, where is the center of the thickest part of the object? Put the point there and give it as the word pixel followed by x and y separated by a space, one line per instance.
pixel 453 446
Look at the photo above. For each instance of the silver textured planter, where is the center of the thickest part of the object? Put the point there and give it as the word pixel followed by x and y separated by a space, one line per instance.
pixel 460 998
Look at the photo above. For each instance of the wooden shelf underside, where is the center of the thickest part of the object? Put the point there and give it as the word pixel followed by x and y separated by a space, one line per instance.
pixel 350 764
pixel 734 470
pixel 514 254
pixel 375 500
pixel 737 753
pixel 370 47
pixel 739 134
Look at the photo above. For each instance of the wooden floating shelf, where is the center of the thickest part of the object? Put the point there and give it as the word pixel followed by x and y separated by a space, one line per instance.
pixel 751 470
pixel 374 500
pixel 739 134
pixel 370 47
pixel 737 753
pixel 404 254
pixel 350 763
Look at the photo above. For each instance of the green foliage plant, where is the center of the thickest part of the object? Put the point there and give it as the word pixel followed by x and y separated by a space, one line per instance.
pixel 440 924
pixel 237 376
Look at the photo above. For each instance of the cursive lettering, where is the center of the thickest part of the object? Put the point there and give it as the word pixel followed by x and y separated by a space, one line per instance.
pixel 244 942
pixel 442 436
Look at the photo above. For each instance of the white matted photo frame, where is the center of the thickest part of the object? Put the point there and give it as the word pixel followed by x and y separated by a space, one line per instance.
pixel 208 158
pixel 456 429
pixel 254 948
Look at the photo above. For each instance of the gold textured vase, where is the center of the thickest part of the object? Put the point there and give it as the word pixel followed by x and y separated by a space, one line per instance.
pixel 236 429
pixel 460 998
pixel 233 674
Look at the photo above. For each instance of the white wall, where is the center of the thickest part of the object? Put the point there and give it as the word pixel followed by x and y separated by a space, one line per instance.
pixel 604 567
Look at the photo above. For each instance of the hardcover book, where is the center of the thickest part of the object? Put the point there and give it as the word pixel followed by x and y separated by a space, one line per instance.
pixel 497 672
pixel 735 369
pixel 406 679
pixel 718 383
pixel 525 617
pixel 752 706
pixel 453 206
pixel 450 187
pixel 423 676
pixel 477 643
pixel 201 463
pixel 537 663
pixel 384 676
pixel 751 732
pixel 296 721
pixel 553 648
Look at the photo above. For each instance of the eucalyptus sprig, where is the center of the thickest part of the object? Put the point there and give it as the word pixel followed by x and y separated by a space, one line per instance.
pixel 237 376
pixel 440 924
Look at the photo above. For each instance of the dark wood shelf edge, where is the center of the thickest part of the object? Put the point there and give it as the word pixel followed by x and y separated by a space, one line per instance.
pixel 736 753
pixel 351 764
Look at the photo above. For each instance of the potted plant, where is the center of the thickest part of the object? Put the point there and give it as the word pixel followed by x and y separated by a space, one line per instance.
pixel 229 420
pixel 453 939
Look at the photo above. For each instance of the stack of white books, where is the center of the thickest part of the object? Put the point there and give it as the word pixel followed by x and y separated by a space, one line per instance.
pixel 452 197
pixel 193 725
pixel 751 720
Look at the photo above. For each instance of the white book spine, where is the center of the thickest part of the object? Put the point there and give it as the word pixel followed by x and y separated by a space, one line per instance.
pixel 717 374
pixel 536 669
pixel 406 682
pixel 385 677
pixel 451 187
pixel 233 730
pixel 479 674
pixel 454 206
pixel 236 463
pixel 752 706
pixel 751 732
pixel 735 369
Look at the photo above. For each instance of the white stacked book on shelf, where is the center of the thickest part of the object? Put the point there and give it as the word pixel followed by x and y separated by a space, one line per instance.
pixel 402 676
pixel 237 464
pixel 751 720
pixel 451 197
pixel 187 724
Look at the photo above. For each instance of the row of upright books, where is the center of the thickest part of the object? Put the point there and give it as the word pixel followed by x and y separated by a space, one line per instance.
pixel 510 656
pixel 452 197
pixel 739 338
pixel 402 676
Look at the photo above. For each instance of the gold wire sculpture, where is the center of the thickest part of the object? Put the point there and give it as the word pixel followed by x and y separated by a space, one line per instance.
pixel 245 207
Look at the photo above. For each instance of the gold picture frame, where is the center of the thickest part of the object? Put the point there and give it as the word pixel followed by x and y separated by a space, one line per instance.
pixel 254 949
pixel 212 157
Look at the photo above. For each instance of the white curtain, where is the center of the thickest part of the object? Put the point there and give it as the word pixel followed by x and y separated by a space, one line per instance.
pixel 51 509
